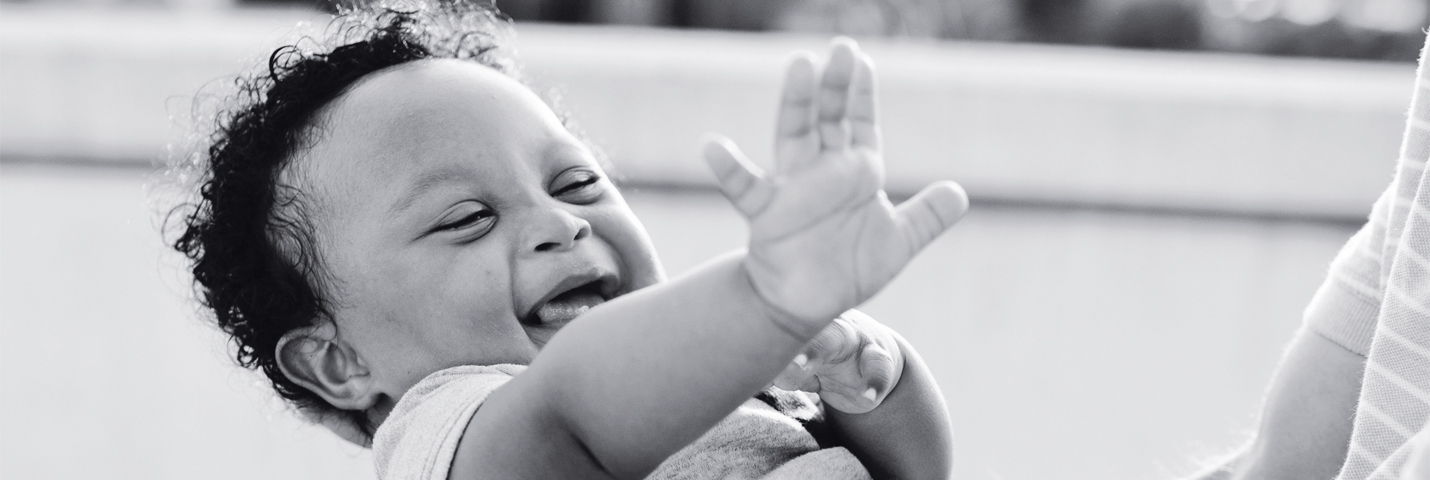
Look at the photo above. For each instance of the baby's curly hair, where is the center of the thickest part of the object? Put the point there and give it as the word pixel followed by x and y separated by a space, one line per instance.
pixel 246 234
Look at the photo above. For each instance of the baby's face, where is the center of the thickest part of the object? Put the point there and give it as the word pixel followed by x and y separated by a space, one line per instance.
pixel 460 221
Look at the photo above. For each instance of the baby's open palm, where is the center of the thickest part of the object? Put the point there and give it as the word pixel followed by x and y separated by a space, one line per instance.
pixel 823 236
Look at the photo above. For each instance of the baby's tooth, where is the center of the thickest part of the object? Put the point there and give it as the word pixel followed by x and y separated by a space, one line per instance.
pixel 870 394
pixel 801 360
pixel 567 307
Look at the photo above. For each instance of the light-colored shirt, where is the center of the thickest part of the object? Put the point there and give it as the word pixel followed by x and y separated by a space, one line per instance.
pixel 1376 303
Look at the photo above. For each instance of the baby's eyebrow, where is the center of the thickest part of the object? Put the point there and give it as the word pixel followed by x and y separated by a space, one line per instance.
pixel 568 148
pixel 423 184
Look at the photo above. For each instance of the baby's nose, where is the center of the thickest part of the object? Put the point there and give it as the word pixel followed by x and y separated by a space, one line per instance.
pixel 556 230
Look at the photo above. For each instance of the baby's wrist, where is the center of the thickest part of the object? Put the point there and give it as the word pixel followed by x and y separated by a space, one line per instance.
pixel 787 321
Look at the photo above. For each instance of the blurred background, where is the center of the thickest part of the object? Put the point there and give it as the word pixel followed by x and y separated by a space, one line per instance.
pixel 1157 188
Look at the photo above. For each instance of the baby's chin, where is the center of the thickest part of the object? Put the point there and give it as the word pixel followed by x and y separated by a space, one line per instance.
pixel 541 334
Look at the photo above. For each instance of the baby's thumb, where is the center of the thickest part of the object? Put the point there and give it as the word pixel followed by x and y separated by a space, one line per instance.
pixel 739 179
pixel 933 210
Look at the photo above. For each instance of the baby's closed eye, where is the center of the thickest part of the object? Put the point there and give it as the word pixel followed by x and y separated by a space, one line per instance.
pixel 467 217
pixel 577 185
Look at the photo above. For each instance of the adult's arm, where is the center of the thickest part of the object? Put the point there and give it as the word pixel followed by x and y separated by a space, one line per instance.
pixel 1309 412
pixel 1306 422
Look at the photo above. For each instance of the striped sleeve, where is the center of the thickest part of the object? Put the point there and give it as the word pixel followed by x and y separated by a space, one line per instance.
pixel 1394 400
pixel 1346 307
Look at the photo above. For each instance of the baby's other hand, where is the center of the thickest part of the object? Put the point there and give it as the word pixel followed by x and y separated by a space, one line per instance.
pixel 852 364
pixel 823 236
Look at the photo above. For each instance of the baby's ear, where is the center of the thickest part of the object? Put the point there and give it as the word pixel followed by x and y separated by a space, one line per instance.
pixel 316 359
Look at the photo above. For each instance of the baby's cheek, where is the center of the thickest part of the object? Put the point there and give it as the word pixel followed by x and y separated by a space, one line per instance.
pixel 626 236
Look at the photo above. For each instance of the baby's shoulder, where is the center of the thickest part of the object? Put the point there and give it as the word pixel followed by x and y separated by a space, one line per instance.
pixel 419 437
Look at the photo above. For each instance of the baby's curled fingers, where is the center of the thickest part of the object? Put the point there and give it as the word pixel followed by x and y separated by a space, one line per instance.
pixel 860 386
pixel 798 375
pixel 879 371
pixel 836 344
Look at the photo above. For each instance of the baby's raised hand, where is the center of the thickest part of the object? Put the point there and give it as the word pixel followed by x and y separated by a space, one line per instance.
pixel 823 235
pixel 852 364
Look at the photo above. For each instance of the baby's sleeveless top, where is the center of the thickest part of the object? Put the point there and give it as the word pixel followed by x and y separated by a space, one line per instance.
pixel 419 438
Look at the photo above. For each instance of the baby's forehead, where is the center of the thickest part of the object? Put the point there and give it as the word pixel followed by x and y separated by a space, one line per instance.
pixel 437 95
pixel 405 117
pixel 405 124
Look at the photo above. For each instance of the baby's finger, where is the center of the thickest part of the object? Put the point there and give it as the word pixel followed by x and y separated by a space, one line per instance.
pixel 838 342
pixel 834 94
pixel 864 390
pixel 863 104
pixel 930 212
pixel 798 375
pixel 740 180
pixel 877 368
pixel 848 394
pixel 795 138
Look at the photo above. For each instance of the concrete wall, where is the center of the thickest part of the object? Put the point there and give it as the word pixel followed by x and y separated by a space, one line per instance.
pixel 1147 228
pixel 1018 123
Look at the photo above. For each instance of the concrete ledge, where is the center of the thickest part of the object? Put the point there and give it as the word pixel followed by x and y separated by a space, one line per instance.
pixel 1013 123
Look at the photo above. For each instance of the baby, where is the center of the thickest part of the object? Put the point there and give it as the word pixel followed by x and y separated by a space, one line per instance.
pixel 394 230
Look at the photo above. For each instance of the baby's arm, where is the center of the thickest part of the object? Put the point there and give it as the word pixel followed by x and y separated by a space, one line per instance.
pixel 633 381
pixel 639 377
pixel 880 400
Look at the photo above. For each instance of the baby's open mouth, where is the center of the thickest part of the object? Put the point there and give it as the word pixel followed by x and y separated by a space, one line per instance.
pixel 568 305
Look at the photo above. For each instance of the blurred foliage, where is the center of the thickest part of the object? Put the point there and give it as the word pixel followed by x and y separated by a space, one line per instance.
pixel 1362 29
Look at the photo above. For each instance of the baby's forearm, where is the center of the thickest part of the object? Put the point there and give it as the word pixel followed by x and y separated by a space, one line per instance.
pixel 643 375
pixel 906 437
